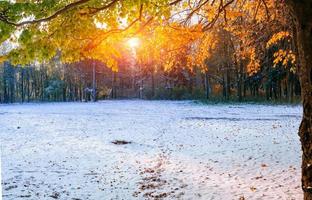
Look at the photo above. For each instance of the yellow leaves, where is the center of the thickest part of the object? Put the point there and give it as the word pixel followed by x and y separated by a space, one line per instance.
pixel 167 45
pixel 108 56
pixel 70 57
pixel 84 11
pixel 285 57
pixel 112 63
pixel 253 66
pixel 202 50
pixel 277 37
pixel 185 5
pixel 2 59
pixel 254 63
pixel 232 14
pixel 168 65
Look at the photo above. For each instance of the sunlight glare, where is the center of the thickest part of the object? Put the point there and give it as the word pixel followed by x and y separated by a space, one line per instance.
pixel 133 42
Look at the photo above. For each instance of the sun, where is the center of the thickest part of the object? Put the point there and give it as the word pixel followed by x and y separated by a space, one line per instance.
pixel 133 42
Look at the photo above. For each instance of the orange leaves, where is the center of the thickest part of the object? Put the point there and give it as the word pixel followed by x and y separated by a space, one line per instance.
pixel 285 57
pixel 254 63
pixel 112 63
pixel 203 49
pixel 169 64
pixel 167 45
pixel 2 59
pixel 277 37
pixel 233 14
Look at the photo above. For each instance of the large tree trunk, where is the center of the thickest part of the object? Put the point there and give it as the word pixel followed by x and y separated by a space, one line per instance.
pixel 302 12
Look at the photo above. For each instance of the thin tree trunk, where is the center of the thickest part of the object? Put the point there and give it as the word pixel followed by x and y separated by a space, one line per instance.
pixel 240 81
pixel 207 85
pixel 114 87
pixel 28 85
pixel 153 82
pixel 22 85
pixel 93 82
pixel 228 83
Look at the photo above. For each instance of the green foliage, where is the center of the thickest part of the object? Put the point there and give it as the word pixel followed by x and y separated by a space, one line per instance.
pixel 71 26
pixel 5 31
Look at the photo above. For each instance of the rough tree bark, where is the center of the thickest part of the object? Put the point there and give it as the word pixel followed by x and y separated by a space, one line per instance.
pixel 302 13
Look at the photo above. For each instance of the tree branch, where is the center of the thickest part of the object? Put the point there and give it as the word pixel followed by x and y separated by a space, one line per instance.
pixel 56 14
pixel 195 10
pixel 174 2
pixel 266 9
pixel 220 10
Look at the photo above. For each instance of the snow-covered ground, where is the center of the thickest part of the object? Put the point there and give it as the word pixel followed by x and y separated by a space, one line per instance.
pixel 178 150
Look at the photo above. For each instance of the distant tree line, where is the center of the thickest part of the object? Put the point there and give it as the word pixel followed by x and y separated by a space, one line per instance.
pixel 78 81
